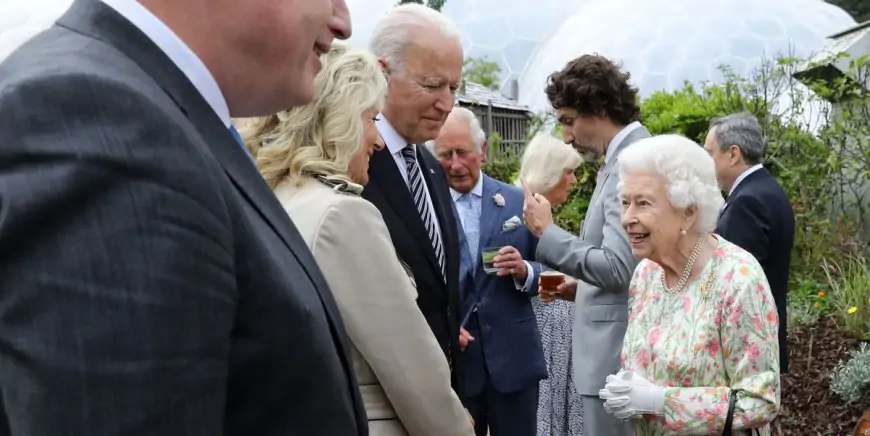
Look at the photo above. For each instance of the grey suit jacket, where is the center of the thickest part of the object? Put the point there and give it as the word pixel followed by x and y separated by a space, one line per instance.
pixel 151 282
pixel 600 258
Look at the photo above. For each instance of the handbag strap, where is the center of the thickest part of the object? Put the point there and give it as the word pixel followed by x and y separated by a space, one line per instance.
pixel 729 419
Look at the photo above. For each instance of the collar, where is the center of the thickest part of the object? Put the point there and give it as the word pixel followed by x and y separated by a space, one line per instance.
pixel 614 143
pixel 178 52
pixel 476 190
pixel 744 175
pixel 394 141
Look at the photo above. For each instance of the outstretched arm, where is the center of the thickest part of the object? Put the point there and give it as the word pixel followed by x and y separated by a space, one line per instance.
pixel 608 266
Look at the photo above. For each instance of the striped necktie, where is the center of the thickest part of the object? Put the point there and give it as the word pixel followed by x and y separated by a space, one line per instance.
pixel 421 200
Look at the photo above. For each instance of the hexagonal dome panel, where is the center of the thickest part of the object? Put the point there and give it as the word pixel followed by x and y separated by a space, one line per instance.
pixel 507 31
pixel 503 31
pixel 663 43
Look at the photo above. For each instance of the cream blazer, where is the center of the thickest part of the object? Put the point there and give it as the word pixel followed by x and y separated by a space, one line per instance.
pixel 402 373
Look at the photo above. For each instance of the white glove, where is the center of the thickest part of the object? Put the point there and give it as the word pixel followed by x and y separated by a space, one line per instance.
pixel 628 395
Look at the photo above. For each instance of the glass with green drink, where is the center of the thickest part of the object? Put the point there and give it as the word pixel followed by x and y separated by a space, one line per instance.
pixel 488 255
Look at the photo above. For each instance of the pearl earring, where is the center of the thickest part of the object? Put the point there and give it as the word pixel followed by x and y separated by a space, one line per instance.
pixel 683 232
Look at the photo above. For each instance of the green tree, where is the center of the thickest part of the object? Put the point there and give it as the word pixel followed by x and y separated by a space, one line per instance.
pixel 434 4
pixel 481 71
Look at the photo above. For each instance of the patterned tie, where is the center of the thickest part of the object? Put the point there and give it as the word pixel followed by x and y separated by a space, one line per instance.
pixel 421 196
pixel 471 224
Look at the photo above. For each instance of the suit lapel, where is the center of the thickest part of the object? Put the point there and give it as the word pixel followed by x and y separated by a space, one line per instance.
pixel 490 213
pixel 386 176
pixel 236 162
pixel 97 20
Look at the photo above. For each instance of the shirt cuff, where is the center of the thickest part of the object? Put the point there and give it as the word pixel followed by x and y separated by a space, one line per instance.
pixel 530 278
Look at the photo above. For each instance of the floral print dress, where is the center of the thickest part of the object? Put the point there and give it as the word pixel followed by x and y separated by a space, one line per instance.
pixel 560 412
pixel 719 334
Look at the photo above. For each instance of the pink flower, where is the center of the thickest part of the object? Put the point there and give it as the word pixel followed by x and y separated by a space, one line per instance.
pixel 643 359
pixel 754 352
pixel 713 347
pixel 654 335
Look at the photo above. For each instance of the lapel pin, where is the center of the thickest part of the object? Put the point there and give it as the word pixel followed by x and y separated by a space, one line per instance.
pixel 431 171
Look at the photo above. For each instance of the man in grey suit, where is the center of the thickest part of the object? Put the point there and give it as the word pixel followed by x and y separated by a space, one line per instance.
pixel 151 282
pixel 597 109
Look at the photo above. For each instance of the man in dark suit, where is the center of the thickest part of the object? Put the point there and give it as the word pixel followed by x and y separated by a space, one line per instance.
pixel 406 183
pixel 151 282
pixel 757 216
pixel 503 358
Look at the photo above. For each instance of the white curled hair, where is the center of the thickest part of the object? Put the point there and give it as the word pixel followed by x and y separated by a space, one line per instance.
pixel 687 170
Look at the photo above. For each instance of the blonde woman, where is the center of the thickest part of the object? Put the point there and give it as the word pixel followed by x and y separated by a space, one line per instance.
pixel 316 159
pixel 548 167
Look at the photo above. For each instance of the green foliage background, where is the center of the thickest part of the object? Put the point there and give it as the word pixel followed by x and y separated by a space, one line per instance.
pixel 823 169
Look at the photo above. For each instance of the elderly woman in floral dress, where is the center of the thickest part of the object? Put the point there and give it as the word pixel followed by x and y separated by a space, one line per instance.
pixel 548 167
pixel 702 323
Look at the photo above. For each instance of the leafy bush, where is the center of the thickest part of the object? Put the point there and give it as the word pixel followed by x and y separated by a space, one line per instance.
pixel 504 170
pixel 851 379
pixel 850 294
pixel 801 313
pixel 819 153
pixel 809 300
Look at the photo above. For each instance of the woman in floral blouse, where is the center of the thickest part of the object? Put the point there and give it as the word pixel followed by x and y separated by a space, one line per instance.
pixel 702 322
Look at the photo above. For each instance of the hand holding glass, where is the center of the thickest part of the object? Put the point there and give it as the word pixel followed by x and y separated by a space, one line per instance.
pixel 488 255
pixel 548 285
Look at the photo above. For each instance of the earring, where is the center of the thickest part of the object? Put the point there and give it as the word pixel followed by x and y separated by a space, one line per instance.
pixel 682 232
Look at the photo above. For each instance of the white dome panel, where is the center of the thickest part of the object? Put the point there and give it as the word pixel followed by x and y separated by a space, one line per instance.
pixel 507 31
pixel 663 43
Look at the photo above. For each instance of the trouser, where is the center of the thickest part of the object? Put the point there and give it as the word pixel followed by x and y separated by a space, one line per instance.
pixel 514 414
pixel 597 422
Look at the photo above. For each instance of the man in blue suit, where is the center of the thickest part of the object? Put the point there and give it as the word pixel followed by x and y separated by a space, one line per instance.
pixel 503 357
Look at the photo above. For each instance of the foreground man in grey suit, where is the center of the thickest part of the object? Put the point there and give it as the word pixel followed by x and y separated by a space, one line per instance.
pixel 151 283
pixel 599 115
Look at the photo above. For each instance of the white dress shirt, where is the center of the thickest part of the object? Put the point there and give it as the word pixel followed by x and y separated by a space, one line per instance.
pixel 744 175
pixel 177 51
pixel 611 148
pixel 395 143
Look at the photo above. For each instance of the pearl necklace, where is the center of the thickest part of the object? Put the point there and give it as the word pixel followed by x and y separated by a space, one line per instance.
pixel 687 271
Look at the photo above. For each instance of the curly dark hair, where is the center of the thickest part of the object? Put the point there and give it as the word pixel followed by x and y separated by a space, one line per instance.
pixel 594 85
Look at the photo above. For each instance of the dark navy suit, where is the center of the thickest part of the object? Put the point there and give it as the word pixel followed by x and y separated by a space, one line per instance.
pixel 758 218
pixel 505 362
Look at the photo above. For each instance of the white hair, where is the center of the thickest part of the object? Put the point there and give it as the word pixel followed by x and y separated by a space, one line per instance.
pixel 544 160
pixel 396 30
pixel 687 169
pixel 478 136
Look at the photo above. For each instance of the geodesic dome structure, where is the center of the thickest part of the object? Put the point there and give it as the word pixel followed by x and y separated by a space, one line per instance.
pixel 507 31
pixel 502 31
pixel 663 43
pixel 20 20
